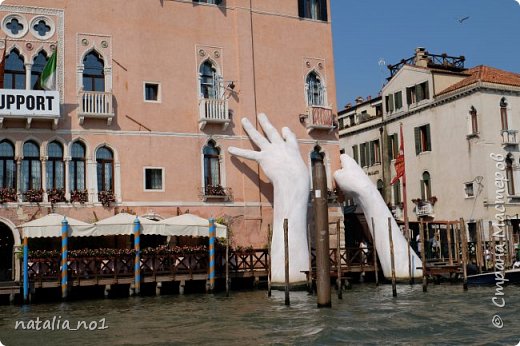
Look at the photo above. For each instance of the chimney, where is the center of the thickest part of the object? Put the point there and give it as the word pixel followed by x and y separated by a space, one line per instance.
pixel 349 105
pixel 421 57
pixel 369 98
pixel 359 100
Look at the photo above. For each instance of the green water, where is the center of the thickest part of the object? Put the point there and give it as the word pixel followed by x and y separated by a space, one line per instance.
pixel 366 315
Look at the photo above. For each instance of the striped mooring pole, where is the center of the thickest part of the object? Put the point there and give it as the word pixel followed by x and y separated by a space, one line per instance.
pixel 64 261
pixel 137 247
pixel 25 271
pixel 212 234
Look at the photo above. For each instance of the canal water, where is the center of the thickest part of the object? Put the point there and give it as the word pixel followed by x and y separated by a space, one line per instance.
pixel 366 315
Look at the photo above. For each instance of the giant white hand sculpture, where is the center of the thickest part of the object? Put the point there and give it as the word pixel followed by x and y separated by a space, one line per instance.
pixel 282 163
pixel 353 180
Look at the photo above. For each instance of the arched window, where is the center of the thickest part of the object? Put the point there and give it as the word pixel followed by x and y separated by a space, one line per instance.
pixel 211 166
pixel 93 72
pixel 14 75
pixel 7 165
pixel 509 176
pixel 55 167
pixel 209 81
pixel 77 167
pixel 39 63
pixel 503 114
pixel 315 90
pixel 426 189
pixel 31 167
pixel 105 169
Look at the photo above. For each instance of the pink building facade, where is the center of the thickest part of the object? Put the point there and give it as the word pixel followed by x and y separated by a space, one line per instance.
pixel 149 97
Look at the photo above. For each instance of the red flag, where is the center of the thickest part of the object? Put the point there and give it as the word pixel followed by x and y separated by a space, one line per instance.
pixel 2 67
pixel 399 161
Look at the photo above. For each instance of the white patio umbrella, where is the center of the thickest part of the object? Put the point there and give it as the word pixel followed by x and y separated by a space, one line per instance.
pixel 188 225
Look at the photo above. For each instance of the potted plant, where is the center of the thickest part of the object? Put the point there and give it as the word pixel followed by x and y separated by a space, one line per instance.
pixel 7 194
pixel 56 195
pixel 106 197
pixel 33 195
pixel 80 196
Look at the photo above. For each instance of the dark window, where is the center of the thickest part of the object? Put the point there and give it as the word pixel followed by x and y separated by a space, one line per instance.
pixel 417 93
pixel 7 165
pixel 375 156
pixel 209 81
pixel 313 9
pixel 389 100
pixel 211 164
pixel 151 92
pixel 31 167
pixel 468 189
pixel 474 123
pixel 398 99
pixel 422 139
pixel 380 187
pixel 42 28
pixel 397 192
pixel 14 26
pixel 379 110
pixel 315 90
pixel 355 153
pixel 426 189
pixel 503 114
pixel 393 146
pixel 215 2
pixel 93 73
pixel 77 167
pixel 55 167
pixel 363 154
pixel 153 179
pixel 39 63
pixel 105 169
pixel 509 176
pixel 14 75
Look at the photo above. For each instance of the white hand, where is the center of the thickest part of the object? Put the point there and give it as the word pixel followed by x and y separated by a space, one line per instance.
pixel 282 163
pixel 353 180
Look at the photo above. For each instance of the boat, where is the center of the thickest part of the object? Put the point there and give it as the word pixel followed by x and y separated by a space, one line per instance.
pixel 512 276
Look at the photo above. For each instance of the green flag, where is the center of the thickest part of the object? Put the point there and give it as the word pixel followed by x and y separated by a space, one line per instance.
pixel 48 77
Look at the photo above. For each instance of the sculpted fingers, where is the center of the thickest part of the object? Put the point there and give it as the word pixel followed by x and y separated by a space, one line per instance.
pixel 255 136
pixel 290 137
pixel 244 153
pixel 271 133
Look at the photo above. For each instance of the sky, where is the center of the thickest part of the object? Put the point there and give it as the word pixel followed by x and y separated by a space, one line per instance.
pixel 370 33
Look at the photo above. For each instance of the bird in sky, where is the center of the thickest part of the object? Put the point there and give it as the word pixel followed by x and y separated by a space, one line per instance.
pixel 466 18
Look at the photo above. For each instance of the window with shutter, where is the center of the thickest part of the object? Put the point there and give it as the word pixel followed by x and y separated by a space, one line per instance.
pixel 355 153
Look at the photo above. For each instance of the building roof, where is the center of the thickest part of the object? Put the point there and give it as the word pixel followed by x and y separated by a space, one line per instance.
pixel 486 74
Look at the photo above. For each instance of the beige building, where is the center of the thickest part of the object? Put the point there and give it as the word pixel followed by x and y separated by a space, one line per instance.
pixel 453 119
pixel 149 97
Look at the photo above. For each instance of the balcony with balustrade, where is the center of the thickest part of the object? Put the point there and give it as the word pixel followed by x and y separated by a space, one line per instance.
pixel 96 105
pixel 509 137
pixel 214 111
pixel 319 118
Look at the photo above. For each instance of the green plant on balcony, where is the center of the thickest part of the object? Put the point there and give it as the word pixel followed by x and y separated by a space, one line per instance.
pixel 56 196
pixel 106 198
pixel 7 194
pixel 33 195
pixel 80 196
pixel 421 202
pixel 215 190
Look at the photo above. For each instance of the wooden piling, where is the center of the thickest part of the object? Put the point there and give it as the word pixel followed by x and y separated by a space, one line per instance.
pixel 492 247
pixel 227 264
pixel 464 245
pixel 286 247
pixel 374 251
pixel 392 259
pixel 269 239
pixel 449 229
pixel 338 256
pixel 478 249
pixel 423 256
pixel 410 272
pixel 309 245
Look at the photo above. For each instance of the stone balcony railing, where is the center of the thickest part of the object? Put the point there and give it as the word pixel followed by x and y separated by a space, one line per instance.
pixel 424 209
pixel 96 105
pixel 509 137
pixel 214 111
pixel 319 118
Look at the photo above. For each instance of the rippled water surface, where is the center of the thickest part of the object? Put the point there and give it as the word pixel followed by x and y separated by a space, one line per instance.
pixel 366 315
